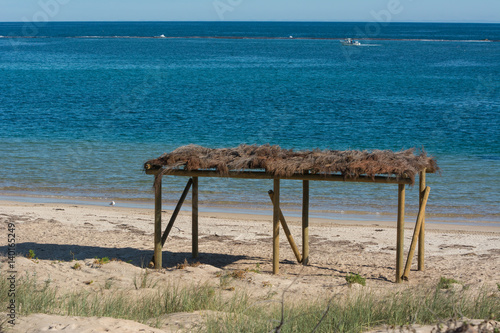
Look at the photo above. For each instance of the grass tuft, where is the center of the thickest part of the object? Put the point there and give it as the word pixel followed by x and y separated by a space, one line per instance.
pixel 445 283
pixel 31 254
pixel 144 281
pixel 225 278
pixel 102 261
pixel 352 278
pixel 187 264
pixel 256 269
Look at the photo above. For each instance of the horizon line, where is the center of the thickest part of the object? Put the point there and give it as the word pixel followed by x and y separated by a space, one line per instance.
pixel 252 21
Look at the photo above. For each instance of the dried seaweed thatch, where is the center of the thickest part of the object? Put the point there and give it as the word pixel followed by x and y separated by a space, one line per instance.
pixel 286 162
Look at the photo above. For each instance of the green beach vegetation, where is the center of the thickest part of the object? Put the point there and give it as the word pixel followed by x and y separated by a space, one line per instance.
pixel 31 254
pixel 352 278
pixel 352 312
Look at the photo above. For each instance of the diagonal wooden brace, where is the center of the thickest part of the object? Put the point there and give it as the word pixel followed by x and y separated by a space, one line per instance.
pixel 416 233
pixel 295 249
pixel 174 214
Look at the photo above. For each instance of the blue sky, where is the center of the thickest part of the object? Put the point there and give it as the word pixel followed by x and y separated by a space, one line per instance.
pixel 252 10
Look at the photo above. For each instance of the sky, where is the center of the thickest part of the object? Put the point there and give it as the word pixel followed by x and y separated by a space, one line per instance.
pixel 482 11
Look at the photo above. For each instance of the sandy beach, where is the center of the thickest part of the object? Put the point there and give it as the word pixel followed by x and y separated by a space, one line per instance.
pixel 62 234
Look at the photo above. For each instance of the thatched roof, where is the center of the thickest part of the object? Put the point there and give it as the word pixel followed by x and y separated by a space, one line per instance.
pixel 286 162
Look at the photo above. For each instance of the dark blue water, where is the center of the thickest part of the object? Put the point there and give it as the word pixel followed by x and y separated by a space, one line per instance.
pixel 448 31
pixel 79 116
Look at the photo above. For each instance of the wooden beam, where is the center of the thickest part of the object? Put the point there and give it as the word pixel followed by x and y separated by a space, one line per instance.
pixel 288 234
pixel 195 217
pixel 421 238
pixel 305 222
pixel 265 175
pixel 418 225
pixel 276 226
pixel 400 232
pixel 157 235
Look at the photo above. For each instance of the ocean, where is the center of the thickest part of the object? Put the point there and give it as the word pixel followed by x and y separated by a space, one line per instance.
pixel 83 105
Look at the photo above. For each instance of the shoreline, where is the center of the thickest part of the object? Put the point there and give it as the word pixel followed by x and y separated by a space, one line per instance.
pixel 249 214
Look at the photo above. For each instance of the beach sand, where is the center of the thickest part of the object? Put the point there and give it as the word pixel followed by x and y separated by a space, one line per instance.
pixel 63 234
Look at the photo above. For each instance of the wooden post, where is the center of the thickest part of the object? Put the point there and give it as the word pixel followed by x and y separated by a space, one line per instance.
pixel 158 246
pixel 305 222
pixel 276 226
pixel 421 238
pixel 174 216
pixel 400 232
pixel 195 217
pixel 288 234
pixel 418 225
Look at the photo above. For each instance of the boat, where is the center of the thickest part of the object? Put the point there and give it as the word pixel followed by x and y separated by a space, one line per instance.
pixel 350 42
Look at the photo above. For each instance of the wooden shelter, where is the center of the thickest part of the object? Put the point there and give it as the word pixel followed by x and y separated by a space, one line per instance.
pixel 273 162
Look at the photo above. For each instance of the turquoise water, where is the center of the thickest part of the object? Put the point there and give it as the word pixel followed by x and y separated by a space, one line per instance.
pixel 79 115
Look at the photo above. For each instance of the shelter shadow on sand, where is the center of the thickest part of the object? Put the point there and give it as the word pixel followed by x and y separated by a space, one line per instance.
pixel 140 258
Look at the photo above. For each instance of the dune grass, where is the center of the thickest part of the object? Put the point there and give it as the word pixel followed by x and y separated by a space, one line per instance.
pixel 354 312
pixel 33 296
pixel 362 310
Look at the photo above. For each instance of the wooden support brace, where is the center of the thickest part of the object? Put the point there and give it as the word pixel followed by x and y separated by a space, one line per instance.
pixel 418 225
pixel 287 231
pixel 174 216
pixel 400 232
pixel 276 227
pixel 421 238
